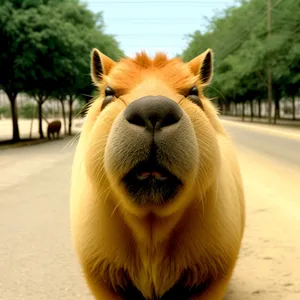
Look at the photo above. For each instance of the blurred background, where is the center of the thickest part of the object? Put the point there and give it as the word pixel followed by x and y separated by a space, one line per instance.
pixel 45 48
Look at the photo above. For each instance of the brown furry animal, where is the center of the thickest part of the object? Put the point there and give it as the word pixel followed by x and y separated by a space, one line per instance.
pixel 53 127
pixel 157 202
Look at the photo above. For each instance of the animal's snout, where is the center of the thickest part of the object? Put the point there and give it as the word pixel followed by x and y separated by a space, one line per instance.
pixel 153 112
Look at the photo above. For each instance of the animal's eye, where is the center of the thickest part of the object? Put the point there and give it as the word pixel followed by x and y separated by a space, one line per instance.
pixel 193 91
pixel 194 96
pixel 109 91
pixel 109 96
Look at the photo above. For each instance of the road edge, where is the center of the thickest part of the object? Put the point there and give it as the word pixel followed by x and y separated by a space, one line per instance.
pixel 279 131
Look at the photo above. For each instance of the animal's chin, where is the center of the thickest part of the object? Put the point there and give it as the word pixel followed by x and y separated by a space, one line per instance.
pixel 149 183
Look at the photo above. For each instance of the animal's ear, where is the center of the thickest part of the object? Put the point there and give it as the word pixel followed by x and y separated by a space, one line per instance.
pixel 202 65
pixel 100 65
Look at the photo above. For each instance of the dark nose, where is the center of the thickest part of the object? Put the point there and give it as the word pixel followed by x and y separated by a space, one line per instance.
pixel 153 112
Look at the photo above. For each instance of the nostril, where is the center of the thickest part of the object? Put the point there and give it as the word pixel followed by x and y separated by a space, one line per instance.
pixel 171 118
pixel 136 119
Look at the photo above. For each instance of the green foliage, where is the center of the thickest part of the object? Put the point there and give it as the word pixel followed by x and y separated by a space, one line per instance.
pixel 5 112
pixel 45 49
pixel 28 110
pixel 242 51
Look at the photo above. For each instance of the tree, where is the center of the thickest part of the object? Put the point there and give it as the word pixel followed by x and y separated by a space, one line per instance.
pixel 76 84
pixel 46 50
pixel 10 80
pixel 13 56
pixel 242 49
pixel 43 42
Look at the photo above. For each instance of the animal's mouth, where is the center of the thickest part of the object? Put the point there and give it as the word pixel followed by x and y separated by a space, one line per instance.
pixel 150 183
pixel 160 175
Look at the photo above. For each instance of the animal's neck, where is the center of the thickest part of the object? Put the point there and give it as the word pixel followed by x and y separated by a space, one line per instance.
pixel 151 230
pixel 154 243
pixel 152 235
pixel 162 242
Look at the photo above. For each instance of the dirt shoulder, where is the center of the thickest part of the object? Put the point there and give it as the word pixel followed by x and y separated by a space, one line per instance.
pixel 268 267
pixel 291 131
pixel 25 127
pixel 264 121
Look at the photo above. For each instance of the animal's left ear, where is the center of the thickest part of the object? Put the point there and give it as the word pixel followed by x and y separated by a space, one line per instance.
pixel 202 65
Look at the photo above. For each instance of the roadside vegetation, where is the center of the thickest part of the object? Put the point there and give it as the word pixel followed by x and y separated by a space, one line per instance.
pixel 257 59
pixel 45 54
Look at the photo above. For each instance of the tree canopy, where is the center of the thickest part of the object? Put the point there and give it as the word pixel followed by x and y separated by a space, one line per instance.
pixel 243 50
pixel 46 47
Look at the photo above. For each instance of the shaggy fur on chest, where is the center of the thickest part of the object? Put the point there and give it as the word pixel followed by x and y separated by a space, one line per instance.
pixel 183 264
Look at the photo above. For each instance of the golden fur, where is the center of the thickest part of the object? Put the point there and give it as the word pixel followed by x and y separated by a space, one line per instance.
pixel 191 241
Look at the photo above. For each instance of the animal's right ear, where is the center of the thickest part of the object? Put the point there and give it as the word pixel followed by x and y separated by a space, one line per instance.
pixel 202 65
pixel 100 65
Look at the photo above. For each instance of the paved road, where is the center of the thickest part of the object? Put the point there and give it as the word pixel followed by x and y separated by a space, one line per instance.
pixel 276 145
pixel 36 257
pixel 268 267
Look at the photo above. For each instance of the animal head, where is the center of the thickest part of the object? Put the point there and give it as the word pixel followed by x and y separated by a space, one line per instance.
pixel 151 135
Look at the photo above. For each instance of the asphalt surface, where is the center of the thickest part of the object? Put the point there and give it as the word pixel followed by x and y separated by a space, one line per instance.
pixel 36 257
pixel 280 148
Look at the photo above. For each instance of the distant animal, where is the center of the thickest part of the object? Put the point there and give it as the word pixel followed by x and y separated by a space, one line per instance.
pixel 53 127
pixel 157 200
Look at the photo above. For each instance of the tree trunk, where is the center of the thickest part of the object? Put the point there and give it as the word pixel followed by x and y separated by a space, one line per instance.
pixel 57 110
pixel 40 112
pixel 219 105
pixel 70 113
pixel 235 108
pixel 227 108
pixel 243 111
pixel 63 114
pixel 251 110
pixel 259 108
pixel 277 110
pixel 14 115
pixel 294 107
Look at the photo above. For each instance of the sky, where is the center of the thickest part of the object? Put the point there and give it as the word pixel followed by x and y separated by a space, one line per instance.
pixel 154 25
